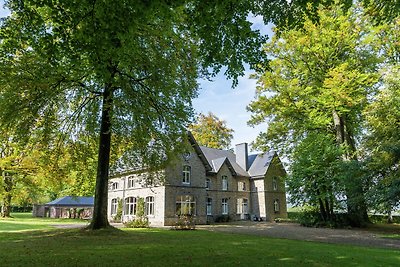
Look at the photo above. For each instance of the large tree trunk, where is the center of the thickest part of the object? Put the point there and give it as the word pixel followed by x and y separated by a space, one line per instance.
pixel 8 185
pixel 356 207
pixel 100 220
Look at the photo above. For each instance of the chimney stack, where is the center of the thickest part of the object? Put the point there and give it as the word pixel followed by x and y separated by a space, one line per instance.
pixel 242 155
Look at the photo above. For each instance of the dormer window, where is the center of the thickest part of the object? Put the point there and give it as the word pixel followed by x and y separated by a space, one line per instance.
pixel 186 173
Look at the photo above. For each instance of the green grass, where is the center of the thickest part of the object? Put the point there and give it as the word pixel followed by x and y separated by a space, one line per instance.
pixel 163 247
pixel 25 222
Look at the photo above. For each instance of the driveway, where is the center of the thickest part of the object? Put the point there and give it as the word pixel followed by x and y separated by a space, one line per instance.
pixel 358 237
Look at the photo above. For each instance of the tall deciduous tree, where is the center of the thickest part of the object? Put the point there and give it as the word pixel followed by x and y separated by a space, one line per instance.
pixel 315 175
pixel 319 81
pixel 383 143
pixel 210 131
pixel 17 163
pixel 123 67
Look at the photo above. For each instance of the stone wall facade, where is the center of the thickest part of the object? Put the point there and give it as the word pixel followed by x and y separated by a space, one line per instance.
pixel 208 196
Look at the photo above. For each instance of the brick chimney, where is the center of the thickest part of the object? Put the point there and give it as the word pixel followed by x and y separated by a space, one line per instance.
pixel 241 155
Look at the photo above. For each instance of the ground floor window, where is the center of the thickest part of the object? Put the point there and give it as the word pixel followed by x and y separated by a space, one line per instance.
pixel 242 206
pixel 185 205
pixel 130 206
pixel 225 206
pixel 114 206
pixel 149 205
pixel 276 205
pixel 209 206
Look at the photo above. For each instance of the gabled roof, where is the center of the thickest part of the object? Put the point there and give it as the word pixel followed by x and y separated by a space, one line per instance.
pixel 213 154
pixel 72 201
pixel 217 164
pixel 259 163
pixel 199 152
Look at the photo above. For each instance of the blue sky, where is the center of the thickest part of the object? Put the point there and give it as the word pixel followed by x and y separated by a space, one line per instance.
pixel 218 97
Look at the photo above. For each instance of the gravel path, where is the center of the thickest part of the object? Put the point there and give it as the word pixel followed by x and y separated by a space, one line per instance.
pixel 295 231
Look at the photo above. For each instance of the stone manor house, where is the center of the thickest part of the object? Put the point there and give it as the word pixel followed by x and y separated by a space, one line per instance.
pixel 207 183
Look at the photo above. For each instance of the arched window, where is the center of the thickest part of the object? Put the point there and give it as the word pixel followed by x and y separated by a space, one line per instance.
pixel 114 206
pixel 149 208
pixel 186 173
pixel 130 206
pixel 276 205
pixel 274 183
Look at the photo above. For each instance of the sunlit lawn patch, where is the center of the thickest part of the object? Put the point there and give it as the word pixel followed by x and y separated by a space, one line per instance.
pixel 25 222
pixel 163 247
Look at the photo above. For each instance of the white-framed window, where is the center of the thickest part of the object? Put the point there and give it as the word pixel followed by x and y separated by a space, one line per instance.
pixel 208 183
pixel 149 207
pixel 130 206
pixel 225 208
pixel 242 206
pixel 114 206
pixel 209 206
pixel 276 205
pixel 224 182
pixel 186 173
pixel 274 183
pixel 131 181
pixel 241 186
pixel 114 186
pixel 185 205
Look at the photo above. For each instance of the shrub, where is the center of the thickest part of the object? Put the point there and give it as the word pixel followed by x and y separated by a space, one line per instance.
pixel 309 216
pixel 185 222
pixel 223 218
pixel 141 221
pixel 138 223
pixel 118 216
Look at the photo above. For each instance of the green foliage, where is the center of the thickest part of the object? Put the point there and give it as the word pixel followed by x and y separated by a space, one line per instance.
pixel 383 144
pixel 141 220
pixel 309 216
pixel 324 68
pixel 185 222
pixel 211 132
pixel 320 81
pixel 383 11
pixel 118 216
pixel 123 70
pixel 315 175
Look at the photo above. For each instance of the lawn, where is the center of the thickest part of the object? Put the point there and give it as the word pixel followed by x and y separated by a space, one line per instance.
pixel 163 247
pixel 25 222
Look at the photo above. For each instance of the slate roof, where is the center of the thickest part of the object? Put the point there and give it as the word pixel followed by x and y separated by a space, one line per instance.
pixel 257 164
pixel 260 163
pixel 69 201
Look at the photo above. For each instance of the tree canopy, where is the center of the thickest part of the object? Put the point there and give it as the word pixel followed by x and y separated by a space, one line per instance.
pixel 320 81
pixel 124 69
pixel 210 131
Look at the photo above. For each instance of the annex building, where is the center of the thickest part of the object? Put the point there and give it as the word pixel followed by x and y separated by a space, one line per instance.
pixel 207 183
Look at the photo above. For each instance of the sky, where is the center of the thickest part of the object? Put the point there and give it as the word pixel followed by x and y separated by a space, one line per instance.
pixel 227 103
